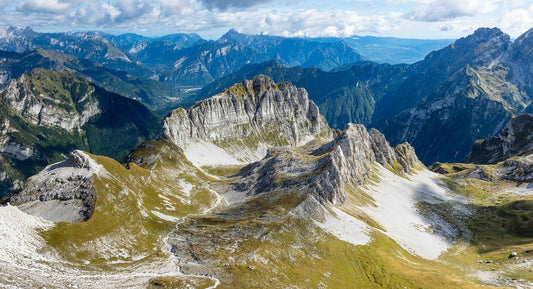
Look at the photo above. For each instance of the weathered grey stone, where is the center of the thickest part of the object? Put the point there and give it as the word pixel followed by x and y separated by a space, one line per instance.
pixel 274 113
pixel 62 192
pixel 322 172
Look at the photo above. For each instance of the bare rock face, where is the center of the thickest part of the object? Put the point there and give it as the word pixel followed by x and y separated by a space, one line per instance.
pixel 406 156
pixel 382 150
pixel 252 112
pixel 516 138
pixel 519 169
pixel 323 170
pixel 62 192
pixel 40 109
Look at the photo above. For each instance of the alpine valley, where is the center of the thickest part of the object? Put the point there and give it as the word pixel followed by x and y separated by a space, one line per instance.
pixel 271 179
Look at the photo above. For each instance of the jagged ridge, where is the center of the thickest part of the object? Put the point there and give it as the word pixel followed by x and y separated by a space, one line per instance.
pixel 246 115
pixel 322 171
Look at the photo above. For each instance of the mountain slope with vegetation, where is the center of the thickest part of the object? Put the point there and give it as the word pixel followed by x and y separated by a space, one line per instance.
pixel 441 105
pixel 339 210
pixel 46 115
pixel 158 96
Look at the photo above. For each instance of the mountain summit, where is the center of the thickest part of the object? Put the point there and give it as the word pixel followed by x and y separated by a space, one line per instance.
pixel 246 119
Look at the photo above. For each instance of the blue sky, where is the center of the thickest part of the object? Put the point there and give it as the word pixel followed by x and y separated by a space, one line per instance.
pixel 310 18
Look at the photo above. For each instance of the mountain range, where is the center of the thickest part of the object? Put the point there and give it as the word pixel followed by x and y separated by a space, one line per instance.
pixel 158 96
pixel 441 105
pixel 188 60
pixel 251 188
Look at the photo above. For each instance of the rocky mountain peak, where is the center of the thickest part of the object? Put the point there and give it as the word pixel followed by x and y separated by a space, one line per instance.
pixel 62 192
pixel 324 170
pixel 261 82
pixel 521 47
pixel 480 48
pixel 485 34
pixel 249 115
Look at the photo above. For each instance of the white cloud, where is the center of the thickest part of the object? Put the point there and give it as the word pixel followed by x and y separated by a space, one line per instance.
pixel 227 4
pixel 517 21
pixel 307 23
pixel 112 11
pixel 46 6
pixel 176 7
pixel 440 10
pixel 404 18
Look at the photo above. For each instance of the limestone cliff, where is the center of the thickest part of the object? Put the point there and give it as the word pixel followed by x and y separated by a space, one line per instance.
pixel 248 117
pixel 45 115
pixel 323 170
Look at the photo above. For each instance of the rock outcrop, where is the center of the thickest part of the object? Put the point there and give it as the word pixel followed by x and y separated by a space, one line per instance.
pixel 516 138
pixel 506 157
pixel 54 109
pixel 323 170
pixel 62 192
pixel 247 115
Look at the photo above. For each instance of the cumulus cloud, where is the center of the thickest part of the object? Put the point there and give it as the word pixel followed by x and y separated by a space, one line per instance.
pixel 46 6
pixel 176 7
pixel 517 21
pixel 307 23
pixel 308 18
pixel 441 10
pixel 226 4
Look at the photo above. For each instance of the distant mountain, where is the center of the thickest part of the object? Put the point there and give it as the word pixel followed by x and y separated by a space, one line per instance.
pixel 92 46
pixel 441 105
pixel 158 96
pixel 395 50
pixel 304 52
pixel 44 115
pixel 124 41
pixel 453 97
pixel 515 139
pixel 182 59
pixel 342 96
pixel 183 40
pixel 207 61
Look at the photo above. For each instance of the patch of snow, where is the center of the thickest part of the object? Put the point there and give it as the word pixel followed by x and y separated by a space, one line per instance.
pixel 19 237
pixel 396 211
pixel 165 217
pixel 344 226
pixel 186 187
pixel 202 153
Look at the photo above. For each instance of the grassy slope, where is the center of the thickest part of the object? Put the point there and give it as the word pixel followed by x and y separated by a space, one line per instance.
pixel 258 243
pixel 502 223
pixel 124 225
